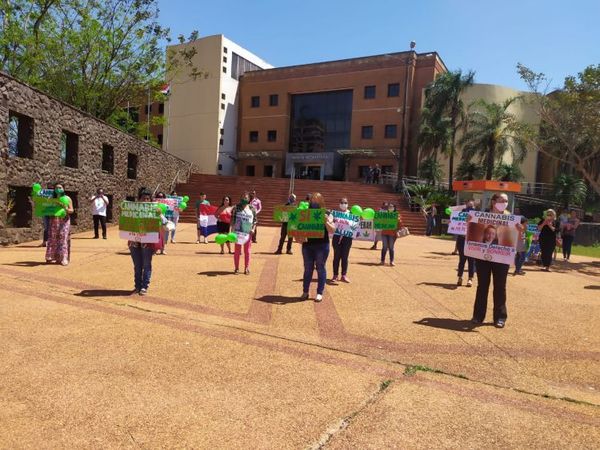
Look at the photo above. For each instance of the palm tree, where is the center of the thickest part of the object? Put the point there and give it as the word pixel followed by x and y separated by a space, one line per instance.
pixel 431 170
pixel 570 190
pixel 468 170
pixel 508 172
pixel 434 133
pixel 491 131
pixel 442 98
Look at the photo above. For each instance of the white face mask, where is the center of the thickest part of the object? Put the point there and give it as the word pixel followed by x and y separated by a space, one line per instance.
pixel 501 206
pixel 343 206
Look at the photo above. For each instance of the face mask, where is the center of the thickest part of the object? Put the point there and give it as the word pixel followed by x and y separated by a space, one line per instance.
pixel 343 206
pixel 314 205
pixel 244 202
pixel 501 206
pixel 59 191
pixel 390 209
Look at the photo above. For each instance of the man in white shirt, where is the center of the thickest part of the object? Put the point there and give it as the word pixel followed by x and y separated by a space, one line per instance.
pixel 99 206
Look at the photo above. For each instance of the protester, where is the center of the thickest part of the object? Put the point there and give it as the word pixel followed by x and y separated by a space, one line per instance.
pixel 521 248
pixel 46 221
pixel 485 271
pixel 376 174
pixel 141 253
pixel 243 208
pixel 99 206
pixel 284 225
pixel 163 234
pixel 567 232
pixel 384 207
pixel 549 228
pixel 257 205
pixel 315 252
pixel 175 220
pixel 369 175
pixel 462 259
pixel 388 238
pixel 430 215
pixel 223 215
pixel 58 245
pixel 201 201
pixel 341 249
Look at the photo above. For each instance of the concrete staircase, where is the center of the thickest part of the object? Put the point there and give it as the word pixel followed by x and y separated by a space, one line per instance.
pixel 274 191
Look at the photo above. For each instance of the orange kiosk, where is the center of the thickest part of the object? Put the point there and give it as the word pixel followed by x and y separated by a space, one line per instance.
pixel 483 190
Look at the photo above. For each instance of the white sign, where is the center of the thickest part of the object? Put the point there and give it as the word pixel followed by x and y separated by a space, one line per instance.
pixel 492 237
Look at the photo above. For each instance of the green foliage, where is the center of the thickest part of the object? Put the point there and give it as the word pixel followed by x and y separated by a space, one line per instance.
pixel 570 122
pixel 468 170
pixel 491 131
pixel 431 170
pixel 569 190
pixel 508 172
pixel 94 55
pixel 426 195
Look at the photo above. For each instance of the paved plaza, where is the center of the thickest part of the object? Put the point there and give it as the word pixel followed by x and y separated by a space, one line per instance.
pixel 210 359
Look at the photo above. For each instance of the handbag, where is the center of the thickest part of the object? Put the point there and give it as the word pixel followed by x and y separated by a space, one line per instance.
pixel 402 232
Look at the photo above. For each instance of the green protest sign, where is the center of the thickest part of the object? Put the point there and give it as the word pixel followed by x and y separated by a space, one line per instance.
pixel 385 220
pixel 281 212
pixel 306 223
pixel 47 206
pixel 139 222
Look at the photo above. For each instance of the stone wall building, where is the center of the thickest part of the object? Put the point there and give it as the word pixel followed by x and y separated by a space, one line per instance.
pixel 44 140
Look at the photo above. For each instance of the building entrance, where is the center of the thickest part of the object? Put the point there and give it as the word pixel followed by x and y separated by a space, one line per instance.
pixel 309 172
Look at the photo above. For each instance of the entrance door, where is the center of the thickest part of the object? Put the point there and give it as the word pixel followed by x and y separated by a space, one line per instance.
pixel 306 172
pixel 314 173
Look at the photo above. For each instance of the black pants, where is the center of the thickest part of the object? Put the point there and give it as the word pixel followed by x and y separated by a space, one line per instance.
pixel 462 259
pixel 102 221
pixel 341 251
pixel 567 245
pixel 485 271
pixel 282 239
pixel 547 247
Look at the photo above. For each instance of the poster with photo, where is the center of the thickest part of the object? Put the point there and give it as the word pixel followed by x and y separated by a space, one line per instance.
pixel 492 237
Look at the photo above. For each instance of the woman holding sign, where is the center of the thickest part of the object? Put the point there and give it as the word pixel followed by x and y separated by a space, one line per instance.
pixel 141 253
pixel 223 215
pixel 58 247
pixel 341 248
pixel 549 228
pixel 315 252
pixel 243 224
pixel 388 237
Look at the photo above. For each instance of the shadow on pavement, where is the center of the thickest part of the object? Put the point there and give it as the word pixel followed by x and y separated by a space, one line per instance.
pixel 27 263
pixel 280 299
pixel 441 253
pixel 449 286
pixel 448 324
pixel 591 286
pixel 105 293
pixel 216 273
pixel 371 264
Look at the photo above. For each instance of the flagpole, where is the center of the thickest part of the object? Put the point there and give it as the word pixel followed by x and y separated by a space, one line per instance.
pixel 168 122
pixel 148 113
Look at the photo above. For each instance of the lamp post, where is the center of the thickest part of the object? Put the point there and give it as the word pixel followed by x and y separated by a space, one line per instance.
pixel 402 149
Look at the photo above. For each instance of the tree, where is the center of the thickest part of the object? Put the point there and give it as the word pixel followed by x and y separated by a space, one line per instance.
pixel 94 55
pixel 431 170
pixel 468 170
pixel 443 99
pixel 569 190
pixel 434 133
pixel 491 131
pixel 570 120
pixel 508 172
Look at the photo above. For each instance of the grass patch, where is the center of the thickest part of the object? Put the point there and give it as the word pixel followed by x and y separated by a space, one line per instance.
pixel 384 385
pixel 592 251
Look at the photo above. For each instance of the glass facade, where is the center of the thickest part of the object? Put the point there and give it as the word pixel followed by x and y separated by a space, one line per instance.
pixel 320 122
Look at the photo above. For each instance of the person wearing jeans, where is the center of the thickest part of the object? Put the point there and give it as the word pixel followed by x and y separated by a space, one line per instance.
pixel 141 254
pixel 315 252
pixel 567 231
pixel 462 259
pixel 388 238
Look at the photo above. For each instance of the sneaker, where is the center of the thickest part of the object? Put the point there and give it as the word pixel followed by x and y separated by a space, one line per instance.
pixel 459 282
pixel 500 323
pixel 164 252
pixel 206 241
pixel 469 282
pixel 345 279
pixel 304 296
pixel 289 253
pixel 173 241
pixel 247 271
pixel 197 242
pixel 319 298
pixel 334 278
pixel 374 247
pixel 103 237
pixel 236 271
pixel 143 291
pixel 392 264
pixel 64 262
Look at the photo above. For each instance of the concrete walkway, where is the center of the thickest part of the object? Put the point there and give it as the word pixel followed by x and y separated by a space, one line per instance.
pixel 214 360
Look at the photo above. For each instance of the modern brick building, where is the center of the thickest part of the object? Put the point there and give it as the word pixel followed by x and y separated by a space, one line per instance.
pixel 333 120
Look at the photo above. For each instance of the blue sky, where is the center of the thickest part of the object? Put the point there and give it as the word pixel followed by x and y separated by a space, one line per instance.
pixel 489 36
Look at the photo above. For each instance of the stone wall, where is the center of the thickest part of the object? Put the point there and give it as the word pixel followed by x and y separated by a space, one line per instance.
pixel 51 117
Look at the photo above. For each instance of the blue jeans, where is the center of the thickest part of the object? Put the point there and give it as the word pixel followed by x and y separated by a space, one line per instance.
pixel 142 266
pixel 430 225
pixel 519 260
pixel 46 220
pixel 388 245
pixel 462 259
pixel 315 255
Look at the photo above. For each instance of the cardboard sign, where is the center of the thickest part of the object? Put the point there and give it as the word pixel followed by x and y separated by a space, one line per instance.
pixel 243 226
pixel 178 199
pixel 492 237
pixel 46 206
pixel 307 223
pixel 385 220
pixel 365 231
pixel 458 223
pixel 281 213
pixel 345 223
pixel 139 222
pixel 171 206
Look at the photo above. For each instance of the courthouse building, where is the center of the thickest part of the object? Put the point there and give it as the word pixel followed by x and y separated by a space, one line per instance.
pixel 332 120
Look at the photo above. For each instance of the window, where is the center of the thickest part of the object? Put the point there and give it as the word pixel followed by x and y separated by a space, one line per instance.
pixel 224 69
pixel 223 106
pixel 161 108
pixel 393 90
pixel 249 171
pixel 159 139
pixel 224 59
pixel 221 141
pixel 222 131
pixel 363 172
pixel 223 96
pixel 109 208
pixel 18 207
pixel 370 91
pixel 273 100
pixel 132 161
pixel 73 196
pixel 268 171
pixel 239 66
pixel 20 135
pixel 148 109
pixel 367 132
pixel 255 101
pixel 69 149
pixel 272 135
pixel 391 131
pixel 220 167
pixel 108 156
pixel 224 49
pixel 254 136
